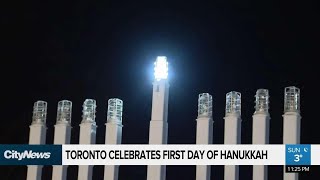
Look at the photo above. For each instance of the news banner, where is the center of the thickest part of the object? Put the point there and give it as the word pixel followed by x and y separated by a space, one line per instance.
pixel 295 157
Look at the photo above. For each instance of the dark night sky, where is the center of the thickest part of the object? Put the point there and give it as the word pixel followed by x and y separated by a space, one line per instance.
pixel 76 50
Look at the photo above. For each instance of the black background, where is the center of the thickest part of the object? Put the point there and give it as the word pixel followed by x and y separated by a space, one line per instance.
pixel 88 49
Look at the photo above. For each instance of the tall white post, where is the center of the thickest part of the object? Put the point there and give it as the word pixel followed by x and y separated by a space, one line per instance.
pixel 260 129
pixel 158 132
pixel 113 133
pixel 204 131
pixel 87 134
pixel 291 122
pixel 37 135
pixel 232 130
pixel 62 134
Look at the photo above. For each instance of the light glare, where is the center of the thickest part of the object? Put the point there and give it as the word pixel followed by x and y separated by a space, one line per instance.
pixel 161 68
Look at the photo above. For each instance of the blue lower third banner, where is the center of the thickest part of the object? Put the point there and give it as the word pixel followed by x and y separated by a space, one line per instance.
pixel 30 154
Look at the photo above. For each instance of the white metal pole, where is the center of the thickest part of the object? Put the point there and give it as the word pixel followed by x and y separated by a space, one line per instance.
pixel 260 129
pixel 87 134
pixel 62 135
pixel 291 122
pixel 204 131
pixel 37 135
pixel 113 133
pixel 158 132
pixel 232 131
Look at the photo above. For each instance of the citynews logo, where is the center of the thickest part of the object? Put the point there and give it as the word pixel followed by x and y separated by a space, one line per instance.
pixel 27 154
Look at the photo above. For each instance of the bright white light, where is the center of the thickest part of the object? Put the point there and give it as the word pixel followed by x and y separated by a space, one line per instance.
pixel 161 68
